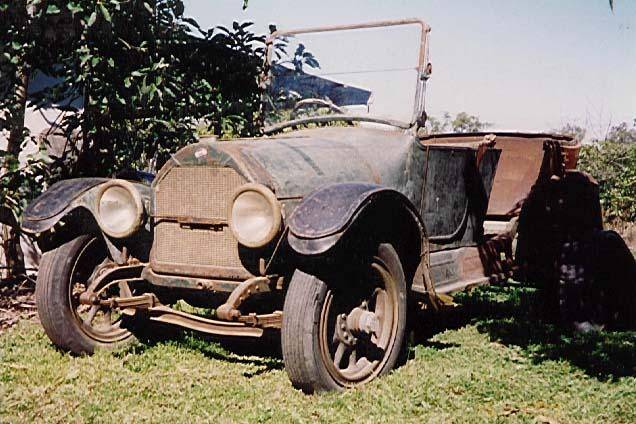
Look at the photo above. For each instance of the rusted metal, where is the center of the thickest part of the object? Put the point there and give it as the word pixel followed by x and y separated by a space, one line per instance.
pixel 144 301
pixel 377 24
pixel 519 164
pixel 69 196
pixel 57 198
pixel 354 339
pixel 273 320
pixel 456 270
pixel 429 195
pixel 272 129
pixel 423 67
pixel 189 283
pixel 230 309
pixel 191 221
pixel 108 273
pixel 168 315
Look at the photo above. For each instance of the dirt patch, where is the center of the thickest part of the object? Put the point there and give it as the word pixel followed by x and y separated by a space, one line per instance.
pixel 17 301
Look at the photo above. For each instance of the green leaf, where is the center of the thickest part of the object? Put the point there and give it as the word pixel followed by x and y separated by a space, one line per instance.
pixel 52 10
pixel 105 12
pixel 74 7
pixel 91 19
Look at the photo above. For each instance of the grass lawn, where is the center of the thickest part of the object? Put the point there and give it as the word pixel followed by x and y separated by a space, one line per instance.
pixel 492 360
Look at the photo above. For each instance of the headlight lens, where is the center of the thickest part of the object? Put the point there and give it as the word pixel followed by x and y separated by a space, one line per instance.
pixel 255 217
pixel 120 209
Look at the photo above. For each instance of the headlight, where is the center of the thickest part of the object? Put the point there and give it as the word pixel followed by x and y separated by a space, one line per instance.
pixel 255 215
pixel 119 208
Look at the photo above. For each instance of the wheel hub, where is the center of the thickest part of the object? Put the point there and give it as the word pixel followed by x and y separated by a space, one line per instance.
pixel 360 320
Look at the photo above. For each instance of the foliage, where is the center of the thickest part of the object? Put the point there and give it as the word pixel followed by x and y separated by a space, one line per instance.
pixel 461 123
pixel 613 164
pixel 16 48
pixel 135 79
pixel 622 133
pixel 18 181
pixel 575 131
pixel 491 362
pixel 147 86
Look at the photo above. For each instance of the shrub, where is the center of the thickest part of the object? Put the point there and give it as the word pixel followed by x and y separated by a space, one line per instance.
pixel 613 164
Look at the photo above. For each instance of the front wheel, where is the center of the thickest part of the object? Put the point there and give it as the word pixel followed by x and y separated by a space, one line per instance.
pixel 64 274
pixel 346 331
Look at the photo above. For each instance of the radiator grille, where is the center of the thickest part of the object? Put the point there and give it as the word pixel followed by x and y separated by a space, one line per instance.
pixel 197 193
pixel 185 246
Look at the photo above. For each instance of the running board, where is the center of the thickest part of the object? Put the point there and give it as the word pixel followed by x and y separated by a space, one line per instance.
pixel 455 270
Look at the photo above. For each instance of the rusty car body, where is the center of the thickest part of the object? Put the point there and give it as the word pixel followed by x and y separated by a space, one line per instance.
pixel 331 234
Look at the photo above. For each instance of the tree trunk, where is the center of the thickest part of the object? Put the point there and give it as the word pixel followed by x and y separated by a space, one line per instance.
pixel 11 238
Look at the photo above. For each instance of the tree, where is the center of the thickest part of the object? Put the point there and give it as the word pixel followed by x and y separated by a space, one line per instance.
pixel 461 123
pixel 612 162
pixel 622 133
pixel 575 131
pixel 135 79
pixel 20 28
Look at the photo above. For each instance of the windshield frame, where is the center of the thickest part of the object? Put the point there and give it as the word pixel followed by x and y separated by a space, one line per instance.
pixel 422 70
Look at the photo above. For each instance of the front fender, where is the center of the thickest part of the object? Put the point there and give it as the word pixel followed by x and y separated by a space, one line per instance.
pixel 325 215
pixel 65 196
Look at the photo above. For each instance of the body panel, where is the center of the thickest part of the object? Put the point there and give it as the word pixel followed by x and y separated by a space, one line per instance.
pixel 325 215
pixel 519 165
pixel 48 208
pixel 65 196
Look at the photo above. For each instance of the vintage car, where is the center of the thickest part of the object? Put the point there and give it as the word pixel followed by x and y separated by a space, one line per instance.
pixel 333 228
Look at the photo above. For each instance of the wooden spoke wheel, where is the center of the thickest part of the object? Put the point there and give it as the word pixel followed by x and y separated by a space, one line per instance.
pixel 64 275
pixel 344 333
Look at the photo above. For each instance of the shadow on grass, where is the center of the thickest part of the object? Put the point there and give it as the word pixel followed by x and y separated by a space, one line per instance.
pixel 512 315
pixel 263 353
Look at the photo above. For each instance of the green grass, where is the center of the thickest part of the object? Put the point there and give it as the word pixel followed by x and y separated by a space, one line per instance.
pixel 493 361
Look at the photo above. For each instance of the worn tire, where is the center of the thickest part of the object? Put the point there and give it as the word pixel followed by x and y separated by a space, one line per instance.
pixel 597 281
pixel 54 304
pixel 302 312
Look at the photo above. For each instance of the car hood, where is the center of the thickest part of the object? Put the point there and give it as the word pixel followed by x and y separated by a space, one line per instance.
pixel 296 163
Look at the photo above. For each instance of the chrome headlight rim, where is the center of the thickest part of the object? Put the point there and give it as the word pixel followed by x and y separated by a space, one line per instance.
pixel 137 201
pixel 275 209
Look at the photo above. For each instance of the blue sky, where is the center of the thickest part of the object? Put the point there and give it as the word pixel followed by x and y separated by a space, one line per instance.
pixel 522 65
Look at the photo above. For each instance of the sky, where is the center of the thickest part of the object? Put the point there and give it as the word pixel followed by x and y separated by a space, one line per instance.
pixel 520 65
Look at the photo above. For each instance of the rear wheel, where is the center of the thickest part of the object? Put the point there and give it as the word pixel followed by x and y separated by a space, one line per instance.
pixel 347 331
pixel 64 275
pixel 597 282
